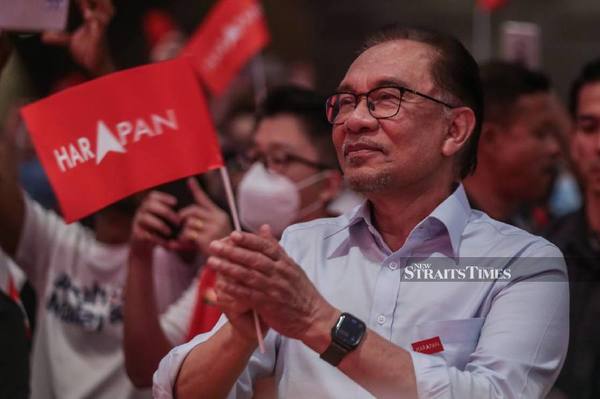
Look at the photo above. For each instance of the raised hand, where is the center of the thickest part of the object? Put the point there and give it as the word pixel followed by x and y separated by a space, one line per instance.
pixel 88 45
pixel 150 227
pixel 203 221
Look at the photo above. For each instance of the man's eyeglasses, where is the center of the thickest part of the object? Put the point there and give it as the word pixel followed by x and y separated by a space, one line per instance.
pixel 278 159
pixel 382 102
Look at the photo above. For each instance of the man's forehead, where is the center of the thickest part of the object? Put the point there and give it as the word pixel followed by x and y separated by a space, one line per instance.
pixel 589 97
pixel 282 131
pixel 404 62
pixel 540 106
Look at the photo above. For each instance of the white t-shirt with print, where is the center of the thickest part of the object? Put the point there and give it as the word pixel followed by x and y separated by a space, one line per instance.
pixel 80 282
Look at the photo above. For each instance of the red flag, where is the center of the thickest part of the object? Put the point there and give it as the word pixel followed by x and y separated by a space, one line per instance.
pixel 491 5
pixel 205 314
pixel 103 140
pixel 233 32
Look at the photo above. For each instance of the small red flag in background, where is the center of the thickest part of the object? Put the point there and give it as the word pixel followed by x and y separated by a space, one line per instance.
pixel 205 314
pixel 103 140
pixel 232 33
pixel 491 5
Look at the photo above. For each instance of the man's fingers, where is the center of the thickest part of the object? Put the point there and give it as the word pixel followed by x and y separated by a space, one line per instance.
pixel 252 259
pixel 153 223
pixel 188 236
pixel 162 210
pixel 168 199
pixel 265 232
pixel 237 296
pixel 243 275
pixel 194 211
pixel 199 195
pixel 253 242
pixel 149 236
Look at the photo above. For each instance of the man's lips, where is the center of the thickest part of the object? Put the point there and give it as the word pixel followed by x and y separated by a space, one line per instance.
pixel 350 148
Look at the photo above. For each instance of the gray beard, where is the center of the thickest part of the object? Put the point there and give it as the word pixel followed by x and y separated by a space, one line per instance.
pixel 370 184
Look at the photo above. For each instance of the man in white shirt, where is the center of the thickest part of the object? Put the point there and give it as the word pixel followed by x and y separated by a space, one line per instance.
pixel 348 302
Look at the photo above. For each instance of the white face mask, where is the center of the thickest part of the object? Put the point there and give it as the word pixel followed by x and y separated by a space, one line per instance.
pixel 266 197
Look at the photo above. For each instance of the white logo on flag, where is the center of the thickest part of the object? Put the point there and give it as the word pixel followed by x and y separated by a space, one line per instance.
pixel 106 142
pixel 231 34
pixel 80 151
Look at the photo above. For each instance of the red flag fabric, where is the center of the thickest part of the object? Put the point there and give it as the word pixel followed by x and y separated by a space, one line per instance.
pixel 106 139
pixel 491 5
pixel 205 314
pixel 232 33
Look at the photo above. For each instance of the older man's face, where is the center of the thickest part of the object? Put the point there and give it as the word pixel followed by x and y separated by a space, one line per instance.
pixel 586 137
pixel 381 155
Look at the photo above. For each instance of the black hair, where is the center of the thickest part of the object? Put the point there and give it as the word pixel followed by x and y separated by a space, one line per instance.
pixel 454 70
pixel 590 73
pixel 309 107
pixel 504 83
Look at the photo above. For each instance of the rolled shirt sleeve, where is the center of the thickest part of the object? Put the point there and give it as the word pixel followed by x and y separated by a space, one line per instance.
pixel 259 365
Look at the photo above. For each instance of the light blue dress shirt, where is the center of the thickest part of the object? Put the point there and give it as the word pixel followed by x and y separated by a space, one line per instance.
pixel 502 337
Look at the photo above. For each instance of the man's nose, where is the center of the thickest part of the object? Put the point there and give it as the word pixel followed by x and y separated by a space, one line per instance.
pixel 360 119
pixel 553 147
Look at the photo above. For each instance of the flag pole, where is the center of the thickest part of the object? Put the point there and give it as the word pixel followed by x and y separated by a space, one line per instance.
pixel 259 83
pixel 236 224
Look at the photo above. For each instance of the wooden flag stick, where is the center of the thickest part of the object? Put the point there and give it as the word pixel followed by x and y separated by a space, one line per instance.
pixel 238 227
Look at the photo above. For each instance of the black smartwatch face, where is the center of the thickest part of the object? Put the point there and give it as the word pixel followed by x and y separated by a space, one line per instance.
pixel 349 330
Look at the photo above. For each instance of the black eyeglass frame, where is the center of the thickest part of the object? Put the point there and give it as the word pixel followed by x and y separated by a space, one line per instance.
pixel 264 159
pixel 402 89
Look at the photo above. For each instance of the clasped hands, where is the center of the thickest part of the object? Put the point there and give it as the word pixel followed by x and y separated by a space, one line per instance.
pixel 255 273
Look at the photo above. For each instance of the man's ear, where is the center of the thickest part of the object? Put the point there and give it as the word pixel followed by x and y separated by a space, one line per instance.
pixel 332 185
pixel 459 130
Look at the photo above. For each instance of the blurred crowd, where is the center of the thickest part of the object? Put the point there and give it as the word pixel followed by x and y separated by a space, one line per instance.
pixel 88 310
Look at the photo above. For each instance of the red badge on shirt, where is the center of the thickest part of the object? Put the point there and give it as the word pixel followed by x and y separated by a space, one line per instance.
pixel 428 346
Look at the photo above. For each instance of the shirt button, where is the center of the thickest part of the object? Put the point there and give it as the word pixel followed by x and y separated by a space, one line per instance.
pixel 393 265
pixel 380 319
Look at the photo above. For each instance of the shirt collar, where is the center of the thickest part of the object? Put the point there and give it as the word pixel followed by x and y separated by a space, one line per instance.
pixel 452 213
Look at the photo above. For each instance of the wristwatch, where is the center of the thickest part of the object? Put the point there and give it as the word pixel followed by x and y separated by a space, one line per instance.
pixel 346 335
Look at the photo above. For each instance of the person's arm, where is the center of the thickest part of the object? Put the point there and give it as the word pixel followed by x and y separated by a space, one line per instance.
pixel 12 209
pixel 212 368
pixel 520 350
pixel 87 46
pixel 12 206
pixel 146 343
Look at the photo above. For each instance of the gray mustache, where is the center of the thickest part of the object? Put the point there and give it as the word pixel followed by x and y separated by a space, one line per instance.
pixel 368 143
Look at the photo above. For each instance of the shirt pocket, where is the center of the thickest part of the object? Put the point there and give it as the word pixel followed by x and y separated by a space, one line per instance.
pixel 459 338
